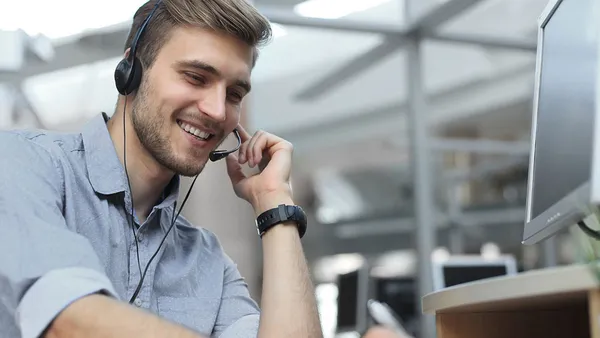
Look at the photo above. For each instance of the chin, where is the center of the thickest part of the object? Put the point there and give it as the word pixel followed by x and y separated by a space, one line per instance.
pixel 188 167
pixel 190 170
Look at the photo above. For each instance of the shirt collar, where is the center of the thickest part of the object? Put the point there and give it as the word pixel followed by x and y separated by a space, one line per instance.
pixel 169 196
pixel 105 170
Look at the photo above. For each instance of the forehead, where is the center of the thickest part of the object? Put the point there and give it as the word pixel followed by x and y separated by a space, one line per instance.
pixel 231 56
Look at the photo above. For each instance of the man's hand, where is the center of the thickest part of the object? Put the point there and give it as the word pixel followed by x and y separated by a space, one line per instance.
pixel 271 186
pixel 289 307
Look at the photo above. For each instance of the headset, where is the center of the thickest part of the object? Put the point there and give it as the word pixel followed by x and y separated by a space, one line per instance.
pixel 128 76
pixel 220 154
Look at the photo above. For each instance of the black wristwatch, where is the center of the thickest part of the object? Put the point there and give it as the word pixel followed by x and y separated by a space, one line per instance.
pixel 282 213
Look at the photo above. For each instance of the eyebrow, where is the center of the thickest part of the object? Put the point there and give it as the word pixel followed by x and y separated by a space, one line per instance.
pixel 203 66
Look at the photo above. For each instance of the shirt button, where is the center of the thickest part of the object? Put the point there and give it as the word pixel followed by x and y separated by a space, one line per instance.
pixel 137 302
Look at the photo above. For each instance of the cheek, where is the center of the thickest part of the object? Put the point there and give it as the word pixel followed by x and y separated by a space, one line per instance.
pixel 175 95
pixel 176 90
pixel 233 117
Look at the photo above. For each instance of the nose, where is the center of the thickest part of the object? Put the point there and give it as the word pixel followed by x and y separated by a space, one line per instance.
pixel 213 103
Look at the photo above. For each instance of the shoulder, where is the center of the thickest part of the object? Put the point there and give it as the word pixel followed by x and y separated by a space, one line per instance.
pixel 36 142
pixel 209 240
pixel 33 155
pixel 23 148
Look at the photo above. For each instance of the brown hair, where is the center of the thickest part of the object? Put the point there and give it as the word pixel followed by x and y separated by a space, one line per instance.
pixel 234 17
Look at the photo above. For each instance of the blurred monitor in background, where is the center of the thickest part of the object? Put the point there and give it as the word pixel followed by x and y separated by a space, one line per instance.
pixel 399 293
pixel 347 301
pixel 564 168
pixel 353 289
pixel 457 270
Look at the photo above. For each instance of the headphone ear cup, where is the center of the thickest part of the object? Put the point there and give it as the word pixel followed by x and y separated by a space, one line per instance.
pixel 135 76
pixel 122 73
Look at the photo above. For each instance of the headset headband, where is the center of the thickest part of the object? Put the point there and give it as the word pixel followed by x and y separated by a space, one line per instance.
pixel 138 35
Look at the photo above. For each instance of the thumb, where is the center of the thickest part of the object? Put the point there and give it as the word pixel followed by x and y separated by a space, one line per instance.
pixel 234 169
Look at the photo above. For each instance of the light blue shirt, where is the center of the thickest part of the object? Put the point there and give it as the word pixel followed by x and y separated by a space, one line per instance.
pixel 64 234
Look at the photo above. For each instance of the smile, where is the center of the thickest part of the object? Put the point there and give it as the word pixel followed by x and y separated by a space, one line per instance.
pixel 195 132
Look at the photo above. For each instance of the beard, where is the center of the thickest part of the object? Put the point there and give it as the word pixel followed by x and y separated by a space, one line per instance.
pixel 151 128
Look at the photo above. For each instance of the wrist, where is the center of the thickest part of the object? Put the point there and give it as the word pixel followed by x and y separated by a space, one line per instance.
pixel 269 201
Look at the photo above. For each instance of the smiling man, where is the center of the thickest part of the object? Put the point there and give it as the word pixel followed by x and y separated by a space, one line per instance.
pixel 91 240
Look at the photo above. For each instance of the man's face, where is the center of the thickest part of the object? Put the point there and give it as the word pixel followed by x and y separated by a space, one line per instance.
pixel 190 99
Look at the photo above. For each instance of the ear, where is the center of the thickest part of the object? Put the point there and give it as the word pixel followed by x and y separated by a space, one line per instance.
pixel 126 54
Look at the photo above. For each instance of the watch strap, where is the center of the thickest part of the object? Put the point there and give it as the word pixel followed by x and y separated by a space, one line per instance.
pixel 283 213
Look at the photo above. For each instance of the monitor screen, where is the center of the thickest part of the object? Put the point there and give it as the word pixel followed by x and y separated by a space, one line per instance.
pixel 455 275
pixel 399 294
pixel 347 300
pixel 566 104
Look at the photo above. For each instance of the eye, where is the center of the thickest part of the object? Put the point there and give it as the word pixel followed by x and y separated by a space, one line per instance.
pixel 235 96
pixel 195 79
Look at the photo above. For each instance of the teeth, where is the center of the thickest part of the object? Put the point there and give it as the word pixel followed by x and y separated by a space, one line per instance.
pixel 194 131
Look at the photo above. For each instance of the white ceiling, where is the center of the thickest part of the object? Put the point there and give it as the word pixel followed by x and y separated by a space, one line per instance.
pixel 58 19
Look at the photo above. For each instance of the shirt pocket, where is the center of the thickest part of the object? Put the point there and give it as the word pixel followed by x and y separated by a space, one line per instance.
pixel 198 314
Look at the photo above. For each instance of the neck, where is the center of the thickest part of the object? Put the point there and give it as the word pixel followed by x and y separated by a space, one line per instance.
pixel 148 179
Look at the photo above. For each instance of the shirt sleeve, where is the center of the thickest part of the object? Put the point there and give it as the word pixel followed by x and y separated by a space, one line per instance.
pixel 45 265
pixel 238 315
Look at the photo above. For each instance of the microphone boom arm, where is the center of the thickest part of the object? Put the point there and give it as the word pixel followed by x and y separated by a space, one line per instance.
pixel 221 154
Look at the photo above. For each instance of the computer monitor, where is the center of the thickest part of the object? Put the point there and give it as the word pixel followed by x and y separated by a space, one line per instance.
pixel 400 294
pixel 353 294
pixel 457 270
pixel 564 163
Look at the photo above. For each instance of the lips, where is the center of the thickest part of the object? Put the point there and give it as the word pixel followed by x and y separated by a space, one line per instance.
pixel 194 131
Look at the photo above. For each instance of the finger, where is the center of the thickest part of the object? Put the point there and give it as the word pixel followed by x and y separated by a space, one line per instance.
pixel 280 153
pixel 234 169
pixel 250 150
pixel 280 162
pixel 274 143
pixel 259 147
pixel 245 138
pixel 242 151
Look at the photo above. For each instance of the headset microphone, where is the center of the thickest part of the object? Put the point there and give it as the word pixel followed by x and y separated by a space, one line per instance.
pixel 221 154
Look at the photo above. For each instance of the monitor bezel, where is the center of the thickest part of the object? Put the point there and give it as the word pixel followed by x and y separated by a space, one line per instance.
pixel 465 261
pixel 574 206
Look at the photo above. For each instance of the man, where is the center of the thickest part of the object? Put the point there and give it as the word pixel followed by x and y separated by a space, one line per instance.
pixel 88 247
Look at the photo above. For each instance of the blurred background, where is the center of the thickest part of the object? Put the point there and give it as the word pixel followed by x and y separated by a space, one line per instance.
pixel 410 119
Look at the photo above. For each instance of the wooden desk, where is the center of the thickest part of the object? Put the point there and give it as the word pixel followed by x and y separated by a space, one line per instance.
pixel 558 302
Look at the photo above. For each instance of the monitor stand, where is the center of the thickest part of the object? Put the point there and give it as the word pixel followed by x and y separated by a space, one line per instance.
pixel 552 302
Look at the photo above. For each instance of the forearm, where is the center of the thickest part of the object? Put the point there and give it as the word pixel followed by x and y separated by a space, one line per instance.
pixel 99 316
pixel 288 307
